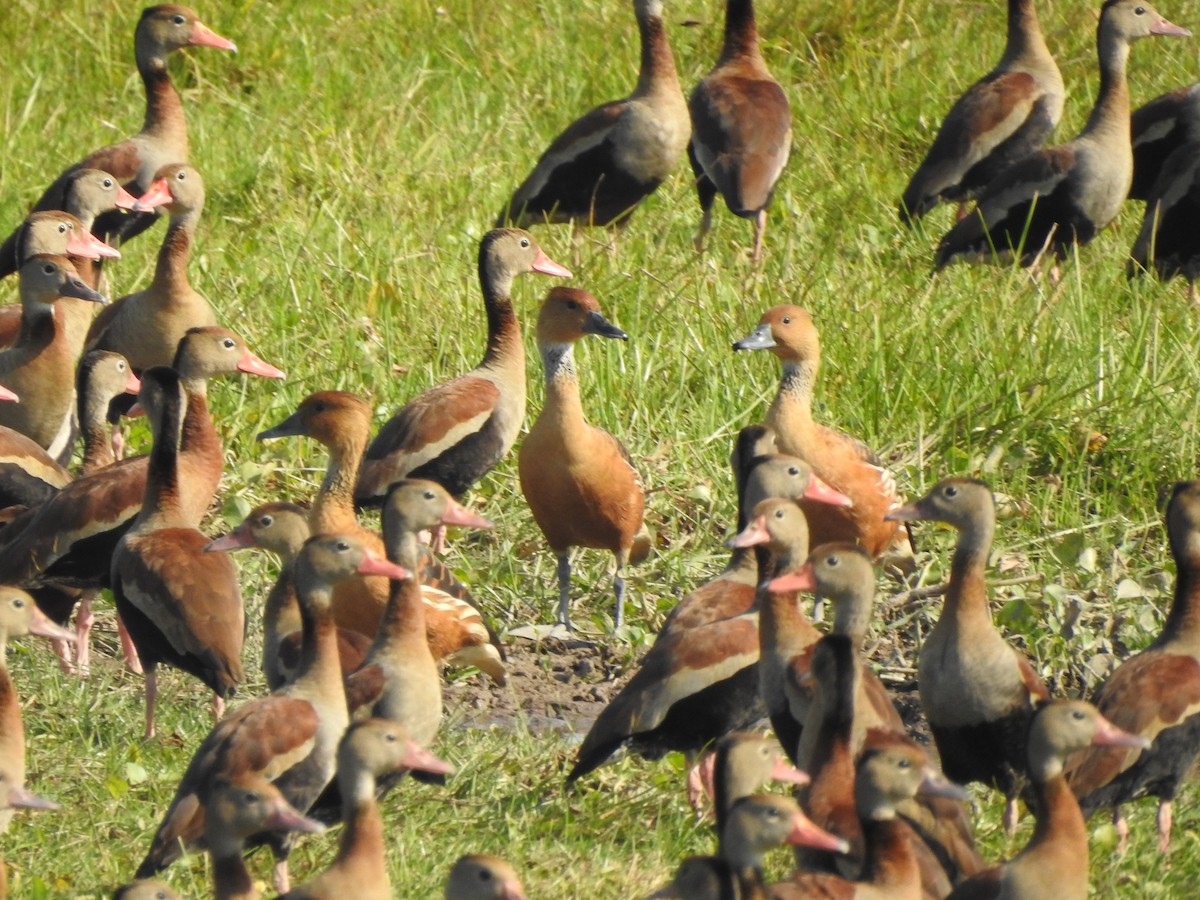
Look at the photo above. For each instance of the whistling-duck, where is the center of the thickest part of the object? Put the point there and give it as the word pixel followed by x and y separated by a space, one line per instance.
pixel 615 156
pixel 887 776
pixel 741 128
pixel 146 327
pixel 87 193
pixel 182 606
pixel 19 616
pixel 1002 117
pixel 742 762
pixel 1167 241
pixel 976 690
pixel 234 810
pixel 456 432
pixel 291 736
pixel 1055 861
pixel 341 421
pixel 1156 694
pixel 60 233
pixel 579 480
pixel 160 31
pixel 1064 195
pixel 842 461
pixel 145 889
pixel 40 365
pixel 69 540
pixel 368 751
pixel 480 877
pixel 1158 129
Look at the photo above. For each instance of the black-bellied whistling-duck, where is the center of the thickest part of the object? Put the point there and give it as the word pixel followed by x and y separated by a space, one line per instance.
pixel 887 775
pixel 146 889
pixel 842 461
pixel 69 540
pixel 282 528
pixel 1002 117
pixel 40 365
pixel 291 736
pixel 615 156
pixel 455 432
pixel 341 421
pixel 60 233
pixel 1167 242
pixel 160 31
pixel 182 606
pixel 481 877
pixel 234 810
pixel 1156 694
pixel 1055 861
pixel 755 826
pixel 741 128
pixel 976 690
pixel 146 327
pixel 19 616
pixel 368 751
pixel 579 480
pixel 1064 195
pixel 742 763
pixel 1158 129
pixel 88 192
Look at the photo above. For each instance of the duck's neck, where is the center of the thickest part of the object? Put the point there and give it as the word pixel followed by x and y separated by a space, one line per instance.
pixel 657 73
pixel 1183 622
pixel 1059 821
pixel 164 109
pixel 320 670
pixel 1110 116
pixel 889 862
pixel 333 508
pixel 783 628
pixel 741 32
pixel 504 347
pixel 163 503
pixel 966 596
pixel 170 273
pixel 231 878
pixel 791 411
pixel 362 845
pixel 1025 41
pixel 563 407
pixel 201 453
pixel 402 628
pixel 38 329
pixel 852 615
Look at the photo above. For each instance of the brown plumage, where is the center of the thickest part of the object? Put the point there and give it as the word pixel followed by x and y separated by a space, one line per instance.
pixel 579 480
pixel 1155 694
pixel 160 31
pixel 146 327
pixel 842 461
pixel 976 690
pixel 1002 117
pixel 741 128
pixel 455 432
pixel 182 606
pixel 1055 861
pixel 609 160
pixel 1065 195
pixel 480 877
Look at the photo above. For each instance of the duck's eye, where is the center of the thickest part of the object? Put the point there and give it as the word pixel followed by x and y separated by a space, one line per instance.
pixel 62 227
pixel 429 495
pixel 832 561
pixel 951 491
pixel 319 407
pixel 49 269
pixel 108 182
pixel 229 343
pixel 390 737
pixel 571 304
pixel 179 20
pixel 250 797
pixel 524 242
pixel 19 603
pixel 342 546
pixel 266 521
pixel 1078 715
pixel 787 320
pixel 485 875
pixel 779 513
pixel 181 175
pixel 120 367
pixel 793 470
pixel 1140 11
pixel 904 764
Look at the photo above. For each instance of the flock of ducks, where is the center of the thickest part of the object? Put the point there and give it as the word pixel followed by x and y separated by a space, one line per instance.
pixel 359 623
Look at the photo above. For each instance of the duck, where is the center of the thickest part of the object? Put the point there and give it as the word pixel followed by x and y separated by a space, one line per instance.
pixel 58 232
pixel 1155 694
pixel 1165 243
pixel 841 461
pixel 369 750
pixel 1055 861
pixel 887 775
pixel 579 480
pixel 234 810
pixel 977 692
pixel 1061 196
pixel 281 528
pixel 146 327
pixel 290 737
pixel 69 540
pixel 1158 128
pixel 477 876
pixel 742 762
pixel 86 194
pixel 613 157
pixel 1003 117
pixel 160 31
pixel 741 129
pixel 181 606
pixel 40 366
pixel 341 422
pixel 456 432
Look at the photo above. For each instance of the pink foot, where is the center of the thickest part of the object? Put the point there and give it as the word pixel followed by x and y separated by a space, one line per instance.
pixel 700 784
pixel 1164 827
pixel 151 697
pixel 132 662
pixel 1122 826
pixel 84 620
pixel 282 882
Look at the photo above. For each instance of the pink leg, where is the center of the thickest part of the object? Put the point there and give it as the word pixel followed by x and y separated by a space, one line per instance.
pixel 218 707
pixel 118 443
pixel 1010 816
pixel 699 783
pixel 438 545
pixel 1164 826
pixel 132 662
pixel 151 697
pixel 760 233
pixel 84 620
pixel 282 882
pixel 62 649
pixel 1122 826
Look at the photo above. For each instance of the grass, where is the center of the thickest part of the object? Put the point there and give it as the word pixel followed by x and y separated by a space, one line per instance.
pixel 355 153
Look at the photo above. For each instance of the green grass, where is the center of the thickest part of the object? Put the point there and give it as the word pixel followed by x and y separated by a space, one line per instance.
pixel 354 155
